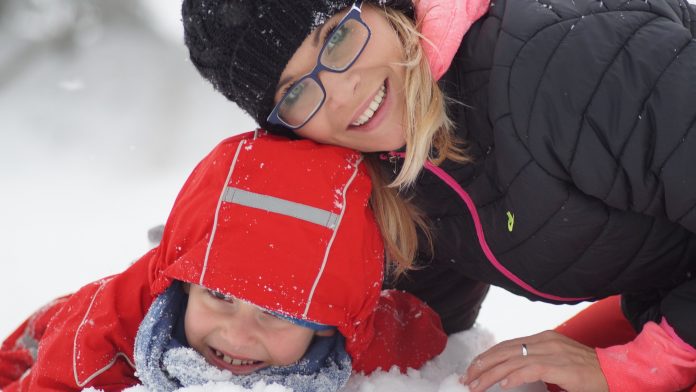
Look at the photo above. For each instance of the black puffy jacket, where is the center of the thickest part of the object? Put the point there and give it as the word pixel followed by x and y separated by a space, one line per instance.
pixel 581 117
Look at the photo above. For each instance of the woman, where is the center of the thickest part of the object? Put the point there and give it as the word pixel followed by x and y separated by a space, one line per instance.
pixel 576 180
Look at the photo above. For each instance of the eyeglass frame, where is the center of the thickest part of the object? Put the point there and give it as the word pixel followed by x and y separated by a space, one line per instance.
pixel 353 14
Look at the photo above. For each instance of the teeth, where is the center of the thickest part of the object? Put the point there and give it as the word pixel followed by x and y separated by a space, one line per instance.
pixel 233 361
pixel 372 108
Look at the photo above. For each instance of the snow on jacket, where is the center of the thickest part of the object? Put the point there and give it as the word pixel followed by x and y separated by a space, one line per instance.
pixel 579 116
pixel 264 219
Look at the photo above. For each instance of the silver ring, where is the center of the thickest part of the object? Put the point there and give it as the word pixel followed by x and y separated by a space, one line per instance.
pixel 525 352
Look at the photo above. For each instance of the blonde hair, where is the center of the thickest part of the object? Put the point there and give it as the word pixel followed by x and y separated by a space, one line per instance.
pixel 429 131
pixel 429 137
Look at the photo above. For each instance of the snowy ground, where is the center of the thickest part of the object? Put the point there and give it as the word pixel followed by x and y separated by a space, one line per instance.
pixel 99 127
pixel 439 375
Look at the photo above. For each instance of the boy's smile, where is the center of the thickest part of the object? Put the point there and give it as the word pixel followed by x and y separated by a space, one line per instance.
pixel 240 337
pixel 236 365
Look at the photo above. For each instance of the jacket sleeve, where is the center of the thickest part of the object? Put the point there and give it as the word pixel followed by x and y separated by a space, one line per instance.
pixel 456 298
pixel 89 340
pixel 15 357
pixel 657 360
pixel 676 305
pixel 18 351
pixel 606 105
pixel 407 334
pixel 635 148
pixel 609 105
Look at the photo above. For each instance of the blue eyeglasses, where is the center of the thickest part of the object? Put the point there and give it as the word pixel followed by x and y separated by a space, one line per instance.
pixel 342 48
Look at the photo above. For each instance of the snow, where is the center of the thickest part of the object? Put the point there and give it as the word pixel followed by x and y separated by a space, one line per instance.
pixel 438 375
pixel 98 133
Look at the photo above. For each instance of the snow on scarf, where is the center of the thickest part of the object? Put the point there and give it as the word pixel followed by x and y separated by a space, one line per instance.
pixel 164 364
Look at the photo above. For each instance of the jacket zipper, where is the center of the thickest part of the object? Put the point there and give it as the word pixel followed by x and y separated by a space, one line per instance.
pixel 452 183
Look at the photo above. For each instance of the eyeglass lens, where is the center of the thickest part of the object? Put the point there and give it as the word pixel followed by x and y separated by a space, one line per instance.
pixel 339 52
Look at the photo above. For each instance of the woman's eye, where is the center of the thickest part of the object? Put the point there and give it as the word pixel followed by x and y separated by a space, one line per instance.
pixel 293 95
pixel 336 38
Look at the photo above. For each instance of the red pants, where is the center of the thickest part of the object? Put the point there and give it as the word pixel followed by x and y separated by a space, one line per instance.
pixel 602 324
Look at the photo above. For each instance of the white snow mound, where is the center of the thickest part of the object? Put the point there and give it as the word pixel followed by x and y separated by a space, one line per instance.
pixel 439 375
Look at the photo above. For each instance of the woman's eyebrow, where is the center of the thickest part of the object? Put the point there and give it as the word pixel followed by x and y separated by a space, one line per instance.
pixel 315 43
pixel 283 82
pixel 317 34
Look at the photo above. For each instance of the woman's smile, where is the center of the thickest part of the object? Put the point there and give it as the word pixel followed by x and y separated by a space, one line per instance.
pixel 371 112
pixel 368 109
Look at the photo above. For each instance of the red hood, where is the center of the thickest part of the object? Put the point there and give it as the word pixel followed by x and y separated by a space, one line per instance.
pixel 282 224
pixel 319 257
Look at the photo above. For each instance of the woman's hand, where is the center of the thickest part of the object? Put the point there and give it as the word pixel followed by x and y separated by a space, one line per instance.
pixel 551 357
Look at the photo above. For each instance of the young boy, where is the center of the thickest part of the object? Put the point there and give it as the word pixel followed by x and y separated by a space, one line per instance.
pixel 270 267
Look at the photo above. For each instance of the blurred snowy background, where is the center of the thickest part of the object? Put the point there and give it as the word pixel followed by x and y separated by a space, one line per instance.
pixel 102 117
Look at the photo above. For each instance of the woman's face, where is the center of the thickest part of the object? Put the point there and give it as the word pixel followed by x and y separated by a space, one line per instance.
pixel 347 117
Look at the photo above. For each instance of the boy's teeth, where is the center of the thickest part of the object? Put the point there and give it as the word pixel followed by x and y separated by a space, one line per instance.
pixel 233 361
pixel 374 105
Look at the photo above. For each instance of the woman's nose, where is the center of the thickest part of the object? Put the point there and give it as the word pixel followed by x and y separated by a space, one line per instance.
pixel 340 87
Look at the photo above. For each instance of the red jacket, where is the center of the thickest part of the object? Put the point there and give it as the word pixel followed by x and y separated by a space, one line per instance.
pixel 280 255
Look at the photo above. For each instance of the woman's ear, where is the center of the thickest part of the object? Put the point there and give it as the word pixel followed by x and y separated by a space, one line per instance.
pixel 326 332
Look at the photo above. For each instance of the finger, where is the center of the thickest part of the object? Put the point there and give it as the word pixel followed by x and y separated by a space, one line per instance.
pixel 532 371
pixel 498 373
pixel 541 343
pixel 546 369
pixel 532 340
pixel 499 353
pixel 491 358
pixel 521 370
pixel 569 364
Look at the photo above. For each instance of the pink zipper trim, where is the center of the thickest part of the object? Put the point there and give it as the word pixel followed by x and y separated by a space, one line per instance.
pixel 481 237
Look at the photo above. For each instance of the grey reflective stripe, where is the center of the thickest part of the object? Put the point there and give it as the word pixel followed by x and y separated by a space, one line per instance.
pixel 281 206
pixel 27 342
pixel 327 251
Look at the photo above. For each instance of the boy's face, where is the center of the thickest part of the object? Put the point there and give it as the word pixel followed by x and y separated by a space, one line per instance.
pixel 237 336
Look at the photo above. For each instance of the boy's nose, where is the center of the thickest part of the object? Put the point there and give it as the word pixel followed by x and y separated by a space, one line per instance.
pixel 240 330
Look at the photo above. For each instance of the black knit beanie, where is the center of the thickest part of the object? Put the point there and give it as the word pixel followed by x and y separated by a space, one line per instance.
pixel 242 46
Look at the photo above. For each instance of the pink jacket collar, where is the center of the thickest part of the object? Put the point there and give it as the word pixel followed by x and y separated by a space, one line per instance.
pixel 443 24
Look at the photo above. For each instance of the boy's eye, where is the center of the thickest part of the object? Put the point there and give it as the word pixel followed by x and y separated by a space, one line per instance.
pixel 220 296
pixel 272 315
pixel 273 320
